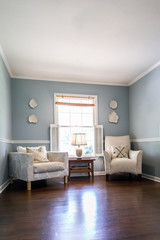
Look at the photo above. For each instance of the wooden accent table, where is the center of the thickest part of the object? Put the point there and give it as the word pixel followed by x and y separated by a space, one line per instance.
pixel 79 169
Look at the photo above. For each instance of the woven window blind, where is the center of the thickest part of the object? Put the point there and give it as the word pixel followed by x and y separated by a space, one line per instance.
pixel 77 101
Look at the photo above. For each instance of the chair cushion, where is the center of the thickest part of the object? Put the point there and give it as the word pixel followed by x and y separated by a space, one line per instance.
pixel 39 155
pixel 119 152
pixel 126 165
pixel 48 167
pixel 116 141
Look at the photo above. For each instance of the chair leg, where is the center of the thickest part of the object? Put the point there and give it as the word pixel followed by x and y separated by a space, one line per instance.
pixel 139 177
pixel 11 180
pixel 65 179
pixel 29 186
pixel 107 177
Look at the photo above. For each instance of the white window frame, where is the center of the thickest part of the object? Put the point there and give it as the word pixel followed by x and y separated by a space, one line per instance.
pixel 54 141
pixel 78 95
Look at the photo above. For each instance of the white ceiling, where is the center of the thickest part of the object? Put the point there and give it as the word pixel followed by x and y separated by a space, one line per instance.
pixel 92 41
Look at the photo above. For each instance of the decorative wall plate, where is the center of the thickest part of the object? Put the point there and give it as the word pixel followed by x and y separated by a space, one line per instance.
pixel 113 117
pixel 33 103
pixel 33 118
pixel 113 104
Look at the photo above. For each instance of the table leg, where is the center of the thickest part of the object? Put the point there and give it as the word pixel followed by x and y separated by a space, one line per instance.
pixel 69 171
pixel 92 168
pixel 88 169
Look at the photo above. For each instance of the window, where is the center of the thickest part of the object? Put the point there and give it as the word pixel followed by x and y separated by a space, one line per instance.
pixel 74 114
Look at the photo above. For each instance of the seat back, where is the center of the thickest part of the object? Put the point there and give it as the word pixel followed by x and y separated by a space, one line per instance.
pixel 117 141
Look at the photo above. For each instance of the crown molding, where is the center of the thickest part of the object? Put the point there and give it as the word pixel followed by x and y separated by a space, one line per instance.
pixel 144 73
pixel 66 80
pixel 5 61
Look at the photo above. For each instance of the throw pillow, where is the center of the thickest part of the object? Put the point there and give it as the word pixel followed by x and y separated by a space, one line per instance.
pixel 39 155
pixel 23 149
pixel 119 152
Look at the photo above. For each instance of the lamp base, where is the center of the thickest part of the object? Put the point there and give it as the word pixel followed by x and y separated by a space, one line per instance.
pixel 79 152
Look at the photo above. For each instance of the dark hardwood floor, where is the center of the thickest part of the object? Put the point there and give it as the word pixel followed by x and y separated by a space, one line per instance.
pixel 84 209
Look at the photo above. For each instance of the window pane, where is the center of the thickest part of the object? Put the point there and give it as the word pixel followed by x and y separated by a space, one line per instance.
pixel 87 119
pixel 76 119
pixel 65 109
pixel 76 109
pixel 87 110
pixel 64 119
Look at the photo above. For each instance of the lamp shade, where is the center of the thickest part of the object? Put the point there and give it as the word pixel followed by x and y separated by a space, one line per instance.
pixel 79 139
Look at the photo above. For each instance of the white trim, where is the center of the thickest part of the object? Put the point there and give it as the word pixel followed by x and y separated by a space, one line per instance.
pixel 99 173
pixel 56 120
pixel 5 61
pixel 65 79
pixel 144 73
pixel 156 139
pixel 4 140
pixel 31 141
pixel 68 80
pixel 150 177
pixel 59 78
pixel 80 95
pixel 4 185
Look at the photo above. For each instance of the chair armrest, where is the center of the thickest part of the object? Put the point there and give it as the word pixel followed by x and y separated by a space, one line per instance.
pixel 107 157
pixel 58 157
pixel 137 156
pixel 21 165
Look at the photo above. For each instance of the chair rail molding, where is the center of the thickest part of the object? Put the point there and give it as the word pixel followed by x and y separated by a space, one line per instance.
pixel 31 141
pixel 156 139
pixel 5 140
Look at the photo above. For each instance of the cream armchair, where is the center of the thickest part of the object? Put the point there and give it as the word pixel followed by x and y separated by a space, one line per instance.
pixel 22 166
pixel 123 164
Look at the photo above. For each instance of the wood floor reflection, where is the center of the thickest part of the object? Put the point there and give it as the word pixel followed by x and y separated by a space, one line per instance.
pixel 84 209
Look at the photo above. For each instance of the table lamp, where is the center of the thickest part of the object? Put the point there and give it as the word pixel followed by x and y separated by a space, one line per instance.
pixel 79 139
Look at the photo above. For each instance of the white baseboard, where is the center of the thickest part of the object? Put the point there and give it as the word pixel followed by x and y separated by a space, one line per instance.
pixel 4 185
pixel 99 173
pixel 150 177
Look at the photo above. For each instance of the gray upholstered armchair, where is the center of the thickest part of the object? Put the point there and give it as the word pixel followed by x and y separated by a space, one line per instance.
pixel 22 166
pixel 119 158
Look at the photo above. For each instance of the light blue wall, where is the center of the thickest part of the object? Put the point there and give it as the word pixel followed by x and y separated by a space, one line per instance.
pixel 5 121
pixel 144 114
pixel 43 92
